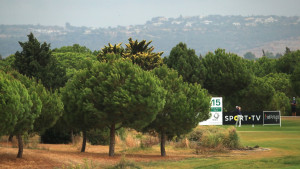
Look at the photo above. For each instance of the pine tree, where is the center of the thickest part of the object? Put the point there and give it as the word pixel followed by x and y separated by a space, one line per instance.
pixel 187 63
pixel 114 94
pixel 186 105
pixel 35 60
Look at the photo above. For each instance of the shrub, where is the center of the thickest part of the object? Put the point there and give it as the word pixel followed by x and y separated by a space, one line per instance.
pixel 185 143
pixel 149 139
pixel 232 140
pixel 132 140
pixel 214 137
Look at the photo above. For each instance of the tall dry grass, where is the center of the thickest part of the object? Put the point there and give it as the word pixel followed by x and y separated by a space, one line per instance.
pixel 210 138
pixel 134 141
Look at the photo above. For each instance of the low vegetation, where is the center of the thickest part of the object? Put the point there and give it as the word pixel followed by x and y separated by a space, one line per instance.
pixel 214 137
pixel 262 147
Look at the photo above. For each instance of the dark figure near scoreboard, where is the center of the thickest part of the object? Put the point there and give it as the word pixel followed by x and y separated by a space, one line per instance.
pixel 293 105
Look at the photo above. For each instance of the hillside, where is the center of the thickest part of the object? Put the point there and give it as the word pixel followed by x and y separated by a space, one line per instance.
pixel 237 34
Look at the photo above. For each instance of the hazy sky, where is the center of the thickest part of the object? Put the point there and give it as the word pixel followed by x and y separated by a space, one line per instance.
pixel 104 13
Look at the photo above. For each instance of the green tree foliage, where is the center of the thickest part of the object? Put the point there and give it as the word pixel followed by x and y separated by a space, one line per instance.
pixel 34 57
pixel 141 54
pixel 256 97
pixel 6 64
pixel 52 109
pixel 249 56
pixel 25 122
pixel 111 52
pixel 295 80
pixel 76 48
pixel 187 63
pixel 98 136
pixel 30 107
pixel 80 113
pixel 186 105
pixel 35 60
pixel 280 102
pixel 265 66
pixel 44 111
pixel 135 47
pixel 138 52
pixel 55 77
pixel 11 107
pixel 227 73
pixel 280 82
pixel 117 94
pixel 283 91
pixel 74 61
pixel 289 62
pixel 116 49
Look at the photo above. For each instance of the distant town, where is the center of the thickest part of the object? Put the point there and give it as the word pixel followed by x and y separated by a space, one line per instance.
pixel 237 34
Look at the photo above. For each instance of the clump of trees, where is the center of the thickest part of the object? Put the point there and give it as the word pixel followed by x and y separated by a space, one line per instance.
pixel 114 94
pixel 36 108
pixel 112 88
pixel 27 107
pixel 76 90
pixel 254 83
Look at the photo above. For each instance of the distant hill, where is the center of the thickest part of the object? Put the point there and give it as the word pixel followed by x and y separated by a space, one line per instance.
pixel 238 34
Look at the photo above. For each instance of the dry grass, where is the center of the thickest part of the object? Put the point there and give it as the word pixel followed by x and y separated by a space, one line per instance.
pixel 96 156
pixel 67 155
pixel 58 155
pixel 131 140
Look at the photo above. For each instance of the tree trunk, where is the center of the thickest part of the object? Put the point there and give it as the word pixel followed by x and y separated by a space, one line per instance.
pixel 10 138
pixel 20 144
pixel 83 141
pixel 72 137
pixel 162 144
pixel 112 140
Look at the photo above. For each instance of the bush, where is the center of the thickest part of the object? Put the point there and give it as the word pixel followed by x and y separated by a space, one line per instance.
pixel 232 140
pixel 280 102
pixel 215 137
pixel 132 139
pixel 185 143
pixel 149 140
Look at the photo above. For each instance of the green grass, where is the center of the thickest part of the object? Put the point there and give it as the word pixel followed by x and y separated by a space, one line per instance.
pixel 283 141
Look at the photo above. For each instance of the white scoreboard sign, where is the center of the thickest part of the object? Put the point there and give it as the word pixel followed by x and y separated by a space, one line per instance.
pixel 216 112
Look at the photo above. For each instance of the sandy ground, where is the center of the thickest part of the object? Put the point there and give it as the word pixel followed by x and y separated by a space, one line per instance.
pixel 65 155
pixel 48 156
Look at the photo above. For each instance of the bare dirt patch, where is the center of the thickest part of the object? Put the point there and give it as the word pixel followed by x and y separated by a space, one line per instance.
pixel 59 155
